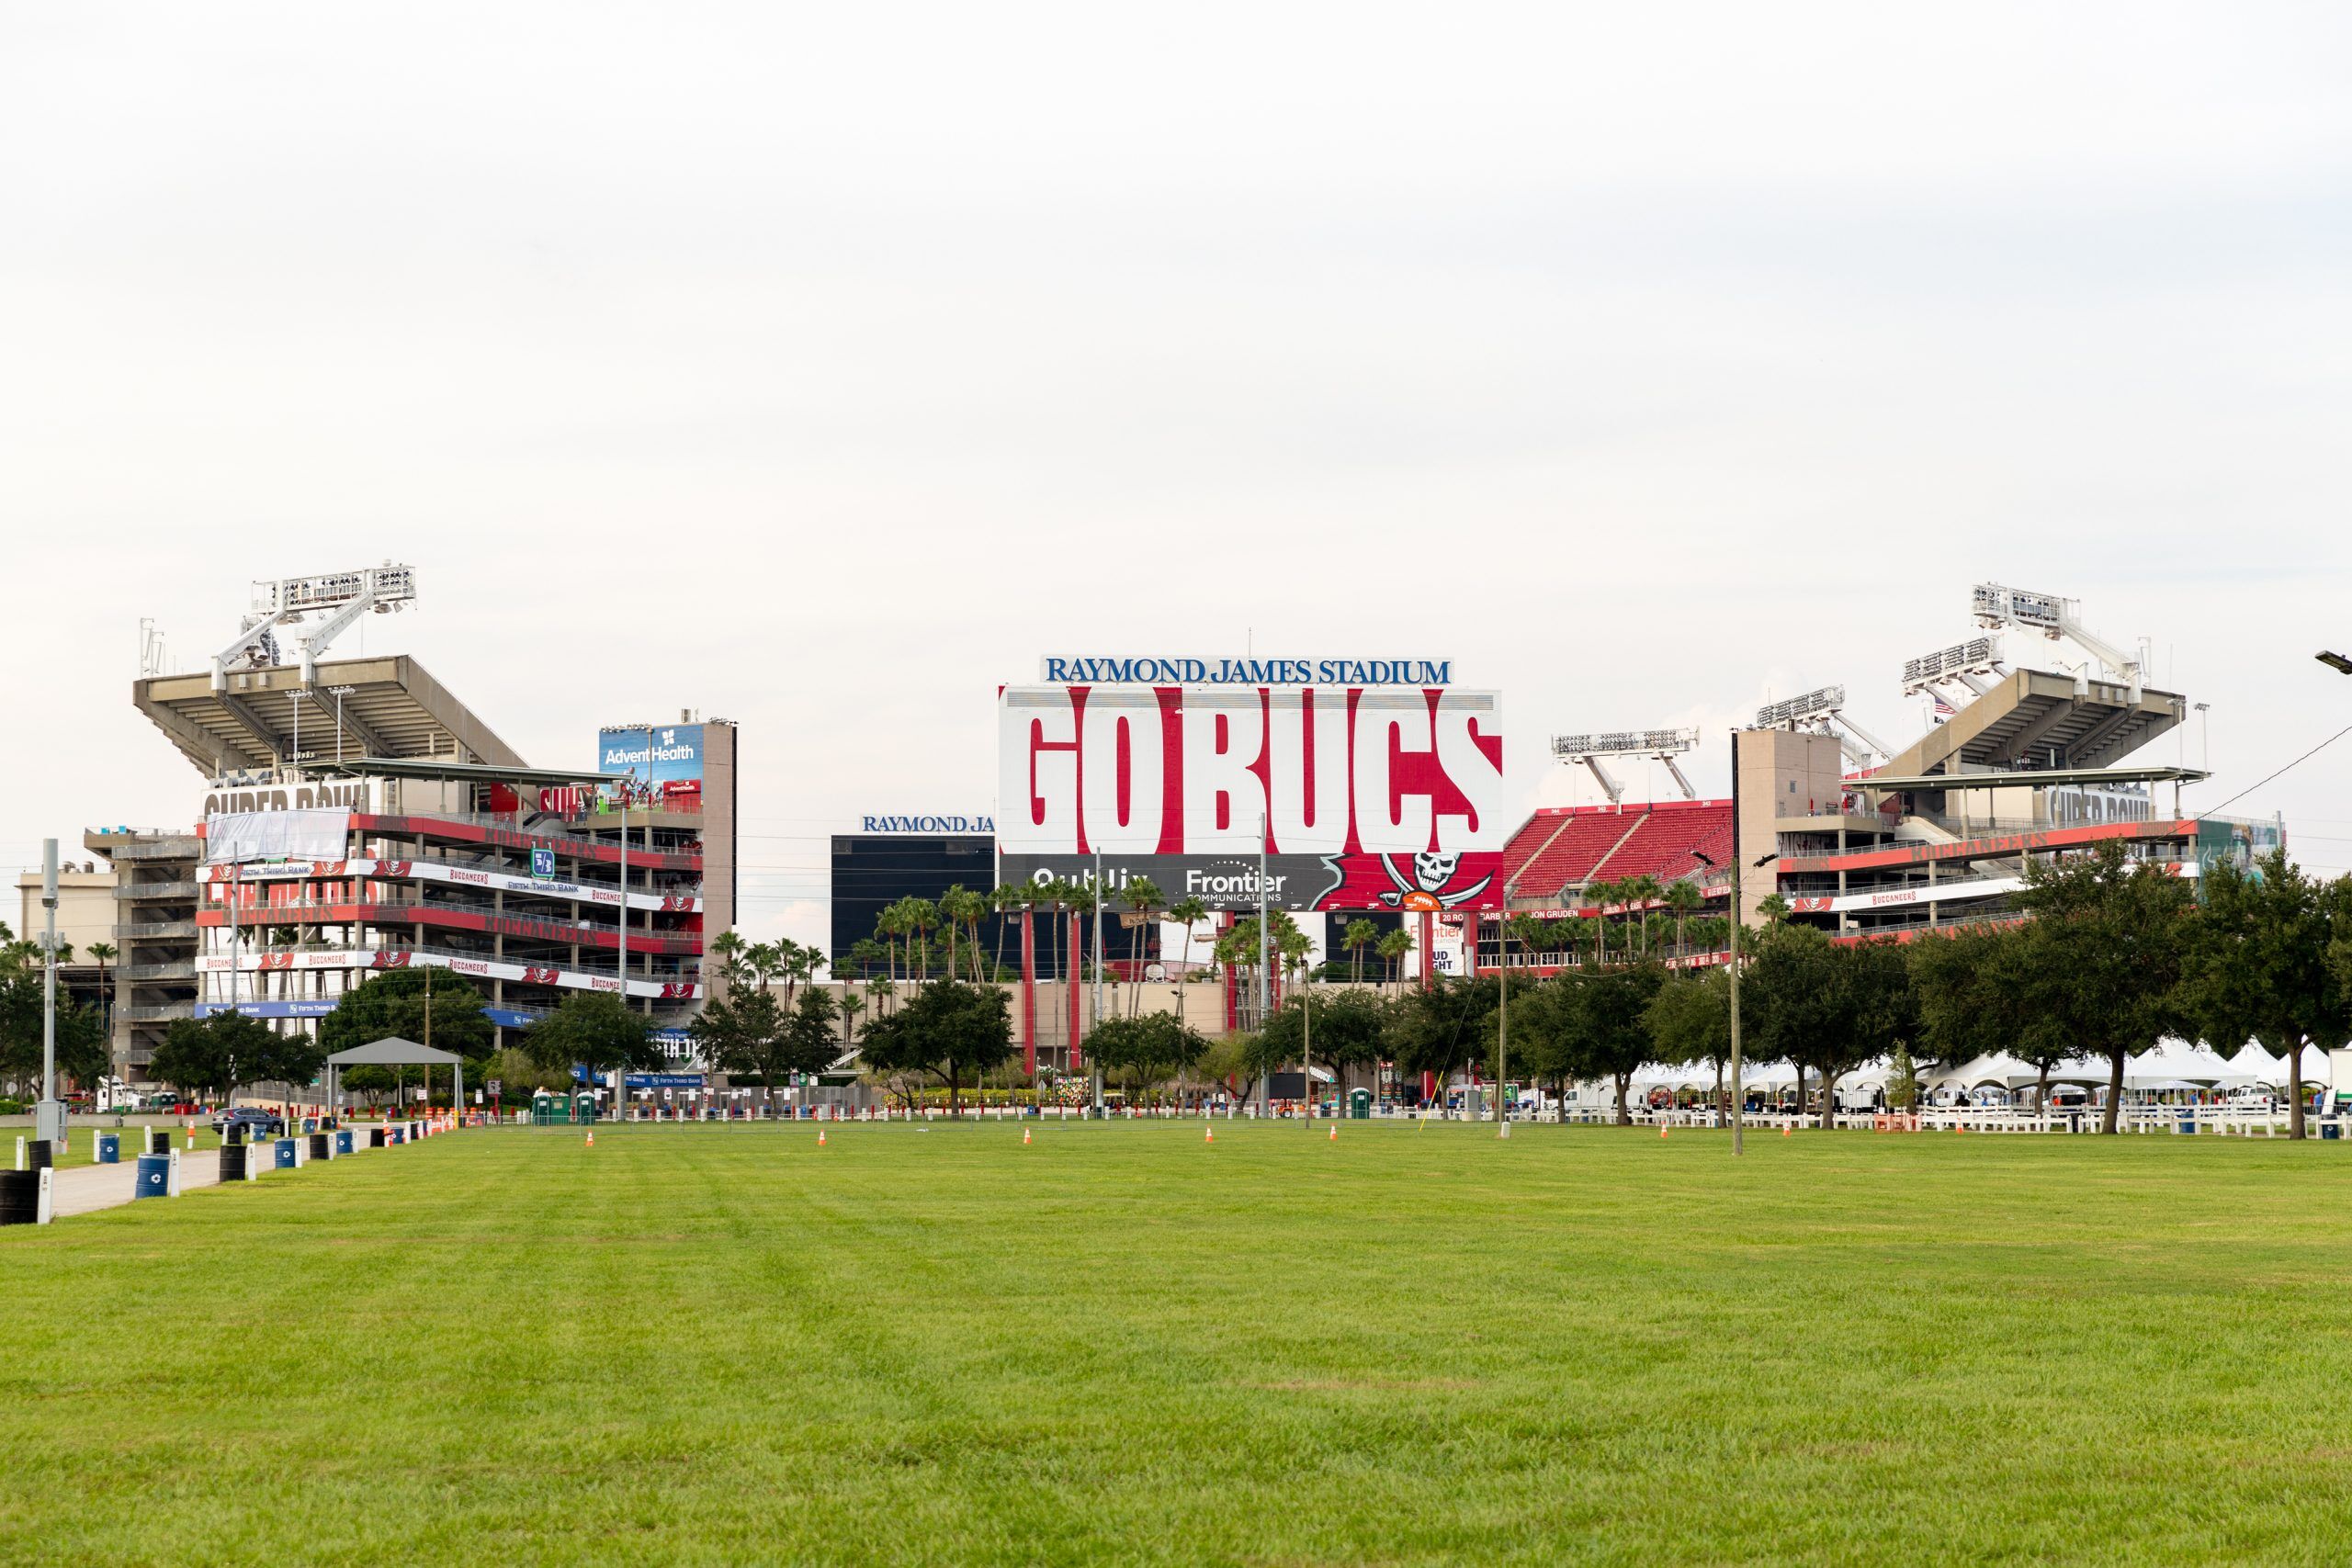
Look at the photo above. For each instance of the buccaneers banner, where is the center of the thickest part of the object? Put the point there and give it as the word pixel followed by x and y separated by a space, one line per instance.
pixel 1356 798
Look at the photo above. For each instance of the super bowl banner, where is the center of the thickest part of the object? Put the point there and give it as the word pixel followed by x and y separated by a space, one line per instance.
pixel 1359 798
pixel 283 960
pixel 440 870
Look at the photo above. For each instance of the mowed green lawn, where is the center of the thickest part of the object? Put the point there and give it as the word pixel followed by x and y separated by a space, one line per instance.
pixel 723 1344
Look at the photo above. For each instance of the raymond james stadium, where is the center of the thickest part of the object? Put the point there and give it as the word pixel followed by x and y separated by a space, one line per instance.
pixel 350 815
pixel 1257 1002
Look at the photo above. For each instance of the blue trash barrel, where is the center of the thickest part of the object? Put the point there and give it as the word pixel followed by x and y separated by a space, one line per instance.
pixel 154 1177
pixel 109 1148
pixel 343 1140
pixel 285 1154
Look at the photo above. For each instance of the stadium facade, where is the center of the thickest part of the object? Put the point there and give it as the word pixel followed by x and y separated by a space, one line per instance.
pixel 352 817
pixel 2020 765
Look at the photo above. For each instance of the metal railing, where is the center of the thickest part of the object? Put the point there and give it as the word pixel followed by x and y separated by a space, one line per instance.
pixel 155 930
pixel 183 891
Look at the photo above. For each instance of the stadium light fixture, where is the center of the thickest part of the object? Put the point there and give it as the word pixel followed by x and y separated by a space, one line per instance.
pixel 2335 661
pixel 2057 619
pixel 1822 710
pixel 341 596
pixel 1657 745
pixel 1969 663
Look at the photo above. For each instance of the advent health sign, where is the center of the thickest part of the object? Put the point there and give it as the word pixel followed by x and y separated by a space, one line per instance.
pixel 1365 796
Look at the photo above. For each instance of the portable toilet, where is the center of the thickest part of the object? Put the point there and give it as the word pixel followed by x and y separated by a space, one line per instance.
pixel 1359 1104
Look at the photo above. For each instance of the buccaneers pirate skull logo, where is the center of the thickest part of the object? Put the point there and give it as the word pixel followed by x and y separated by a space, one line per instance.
pixel 1432 869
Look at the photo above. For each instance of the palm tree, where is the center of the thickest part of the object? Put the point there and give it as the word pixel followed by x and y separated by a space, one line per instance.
pixel 102 954
pixel 1077 897
pixel 923 918
pixel 890 925
pixel 1638 891
pixel 949 903
pixel 1188 913
pixel 1685 899
pixel 1391 951
pixel 1359 935
pixel 1144 900
pixel 1600 894
pixel 1003 898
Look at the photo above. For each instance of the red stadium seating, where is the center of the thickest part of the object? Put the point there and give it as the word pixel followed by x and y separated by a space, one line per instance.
pixel 1562 847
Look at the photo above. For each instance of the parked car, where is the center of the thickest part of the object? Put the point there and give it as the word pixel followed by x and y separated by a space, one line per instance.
pixel 252 1118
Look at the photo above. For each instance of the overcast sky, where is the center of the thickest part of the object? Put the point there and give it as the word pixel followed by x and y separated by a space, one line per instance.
pixel 820 367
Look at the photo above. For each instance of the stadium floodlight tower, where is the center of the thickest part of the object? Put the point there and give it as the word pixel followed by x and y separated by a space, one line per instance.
pixel 341 596
pixel 2057 619
pixel 1655 745
pixel 1974 664
pixel 1823 711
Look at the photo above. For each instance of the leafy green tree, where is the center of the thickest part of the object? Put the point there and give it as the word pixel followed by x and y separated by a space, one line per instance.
pixel 224 1051
pixel 2265 964
pixel 1690 1019
pixel 1826 1005
pixel 1343 1028
pixel 596 1030
pixel 2116 933
pixel 393 1005
pixel 949 1030
pixel 1903 1080
pixel 1982 989
pixel 1599 1019
pixel 1148 1049
pixel 1442 1028
pixel 1359 935
pixel 81 1054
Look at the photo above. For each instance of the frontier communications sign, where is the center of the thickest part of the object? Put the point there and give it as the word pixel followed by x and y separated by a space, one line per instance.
pixel 1358 799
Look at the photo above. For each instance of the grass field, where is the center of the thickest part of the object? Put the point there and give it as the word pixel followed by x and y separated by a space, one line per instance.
pixel 721 1345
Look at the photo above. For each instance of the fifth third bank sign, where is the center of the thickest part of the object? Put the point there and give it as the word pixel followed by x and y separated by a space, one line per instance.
pixel 1359 797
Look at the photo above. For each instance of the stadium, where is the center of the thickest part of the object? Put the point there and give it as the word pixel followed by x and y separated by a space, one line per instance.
pixel 1862 838
pixel 351 816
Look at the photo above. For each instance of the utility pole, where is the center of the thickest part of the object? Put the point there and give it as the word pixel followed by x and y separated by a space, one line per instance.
pixel 1265 1080
pixel 1094 1069
pixel 621 961
pixel 1502 1019
pixel 50 1117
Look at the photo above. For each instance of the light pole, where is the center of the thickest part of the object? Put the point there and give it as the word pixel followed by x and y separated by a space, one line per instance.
pixel 339 692
pixel 1093 1067
pixel 1265 1077
pixel 50 1117
pixel 1738 1096
pixel 1502 1015
pixel 294 745
pixel 620 963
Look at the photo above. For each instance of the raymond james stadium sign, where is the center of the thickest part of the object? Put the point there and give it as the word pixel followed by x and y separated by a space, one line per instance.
pixel 927 824
pixel 1129 669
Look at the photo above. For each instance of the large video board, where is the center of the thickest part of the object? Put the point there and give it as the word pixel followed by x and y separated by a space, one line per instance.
pixel 1359 798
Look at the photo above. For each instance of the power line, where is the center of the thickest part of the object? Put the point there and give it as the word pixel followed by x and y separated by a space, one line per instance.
pixel 2296 762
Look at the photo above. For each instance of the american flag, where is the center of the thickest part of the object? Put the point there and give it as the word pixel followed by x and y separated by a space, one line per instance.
pixel 1944 710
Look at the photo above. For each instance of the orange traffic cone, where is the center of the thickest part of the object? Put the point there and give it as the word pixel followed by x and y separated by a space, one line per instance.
pixel 1025 1135
pixel 1211 1137
pixel 820 1137
pixel 1784 1130
pixel 592 1140
pixel 1661 1132
pixel 1335 1134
